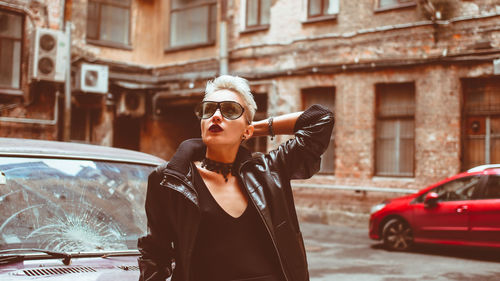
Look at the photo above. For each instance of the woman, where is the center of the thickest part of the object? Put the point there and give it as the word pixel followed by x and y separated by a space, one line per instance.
pixel 215 212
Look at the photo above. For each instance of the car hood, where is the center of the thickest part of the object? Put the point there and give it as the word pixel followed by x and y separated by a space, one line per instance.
pixel 396 203
pixel 402 199
pixel 405 198
pixel 81 269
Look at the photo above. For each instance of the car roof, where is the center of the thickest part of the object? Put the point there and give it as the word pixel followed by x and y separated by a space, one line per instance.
pixel 70 150
pixel 490 169
pixel 484 168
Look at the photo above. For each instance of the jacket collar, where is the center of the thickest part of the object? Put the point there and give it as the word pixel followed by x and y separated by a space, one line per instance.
pixel 194 150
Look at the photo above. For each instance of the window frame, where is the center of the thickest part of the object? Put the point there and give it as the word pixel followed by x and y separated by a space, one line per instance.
pixel 257 27
pixel 9 90
pixel 107 43
pixel 212 38
pixel 322 16
pixel 394 7
pixel 474 112
pixel 398 117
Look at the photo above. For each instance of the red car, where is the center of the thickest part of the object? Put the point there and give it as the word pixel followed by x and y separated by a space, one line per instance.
pixel 461 210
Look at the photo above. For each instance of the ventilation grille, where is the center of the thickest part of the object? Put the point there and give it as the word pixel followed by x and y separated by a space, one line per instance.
pixel 58 270
pixel 129 267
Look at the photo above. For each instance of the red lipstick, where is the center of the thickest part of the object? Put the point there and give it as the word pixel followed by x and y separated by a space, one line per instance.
pixel 215 128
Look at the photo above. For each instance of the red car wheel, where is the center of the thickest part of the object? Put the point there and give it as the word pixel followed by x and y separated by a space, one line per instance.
pixel 397 235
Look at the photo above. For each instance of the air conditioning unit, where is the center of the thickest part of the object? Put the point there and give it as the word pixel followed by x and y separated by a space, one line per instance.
pixel 92 78
pixel 131 104
pixel 50 55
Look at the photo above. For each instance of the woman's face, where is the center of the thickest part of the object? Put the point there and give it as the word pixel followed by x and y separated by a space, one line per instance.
pixel 217 130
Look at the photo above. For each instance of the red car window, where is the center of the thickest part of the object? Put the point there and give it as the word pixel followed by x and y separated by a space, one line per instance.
pixel 493 187
pixel 455 190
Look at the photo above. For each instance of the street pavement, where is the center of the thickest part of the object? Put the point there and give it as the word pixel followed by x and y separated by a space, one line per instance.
pixel 346 253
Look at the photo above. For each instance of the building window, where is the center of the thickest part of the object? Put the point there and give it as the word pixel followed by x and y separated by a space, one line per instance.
pixel 394 4
pixel 11 35
pixel 481 141
pixel 108 22
pixel 192 23
pixel 395 130
pixel 257 13
pixel 326 97
pixel 322 8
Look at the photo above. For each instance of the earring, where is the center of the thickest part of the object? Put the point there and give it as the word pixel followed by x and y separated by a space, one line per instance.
pixel 243 137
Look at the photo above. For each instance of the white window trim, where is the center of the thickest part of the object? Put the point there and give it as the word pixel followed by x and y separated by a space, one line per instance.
pixel 243 17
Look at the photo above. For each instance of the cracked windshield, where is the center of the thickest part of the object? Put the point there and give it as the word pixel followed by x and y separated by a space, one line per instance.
pixel 71 205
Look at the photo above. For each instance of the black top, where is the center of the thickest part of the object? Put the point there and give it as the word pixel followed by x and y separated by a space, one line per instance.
pixel 229 248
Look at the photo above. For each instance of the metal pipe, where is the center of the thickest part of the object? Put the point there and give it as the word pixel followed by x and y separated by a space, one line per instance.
pixel 67 89
pixel 223 50
pixel 223 53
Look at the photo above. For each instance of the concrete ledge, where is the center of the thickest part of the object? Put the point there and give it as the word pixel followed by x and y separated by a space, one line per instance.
pixel 355 188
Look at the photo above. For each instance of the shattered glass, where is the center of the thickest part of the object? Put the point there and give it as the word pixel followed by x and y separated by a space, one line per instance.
pixel 71 205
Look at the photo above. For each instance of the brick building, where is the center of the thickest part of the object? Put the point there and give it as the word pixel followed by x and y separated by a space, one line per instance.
pixel 414 84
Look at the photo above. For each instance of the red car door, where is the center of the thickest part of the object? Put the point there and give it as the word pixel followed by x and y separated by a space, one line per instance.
pixel 447 220
pixel 485 215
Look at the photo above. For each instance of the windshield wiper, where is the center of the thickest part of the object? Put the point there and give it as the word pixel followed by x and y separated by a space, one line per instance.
pixel 6 259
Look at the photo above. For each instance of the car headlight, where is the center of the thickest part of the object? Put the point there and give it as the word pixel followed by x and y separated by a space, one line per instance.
pixel 377 207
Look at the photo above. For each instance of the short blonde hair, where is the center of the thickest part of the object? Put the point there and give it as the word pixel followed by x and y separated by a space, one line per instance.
pixel 238 85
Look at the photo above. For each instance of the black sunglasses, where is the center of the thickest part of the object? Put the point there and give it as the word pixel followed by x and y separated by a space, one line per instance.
pixel 228 109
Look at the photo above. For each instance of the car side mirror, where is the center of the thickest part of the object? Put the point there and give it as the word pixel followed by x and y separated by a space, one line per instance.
pixel 431 199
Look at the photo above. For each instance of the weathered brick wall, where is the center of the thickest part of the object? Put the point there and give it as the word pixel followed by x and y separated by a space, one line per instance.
pixel 358 36
pixel 37 100
pixel 437 120
pixel 437 130
pixel 438 96
pixel 287 19
pixel 148 35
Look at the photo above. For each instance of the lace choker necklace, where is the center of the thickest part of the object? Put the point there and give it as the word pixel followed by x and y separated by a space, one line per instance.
pixel 221 168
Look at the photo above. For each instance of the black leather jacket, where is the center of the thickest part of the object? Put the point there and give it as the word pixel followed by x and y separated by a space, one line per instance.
pixel 172 203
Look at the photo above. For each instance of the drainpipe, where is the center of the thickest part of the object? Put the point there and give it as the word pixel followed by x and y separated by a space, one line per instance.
pixel 223 52
pixel 67 89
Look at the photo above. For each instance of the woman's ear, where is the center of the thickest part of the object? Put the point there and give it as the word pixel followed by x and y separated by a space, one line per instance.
pixel 248 132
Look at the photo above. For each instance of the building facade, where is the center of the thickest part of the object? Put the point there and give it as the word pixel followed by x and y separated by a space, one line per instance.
pixel 414 84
